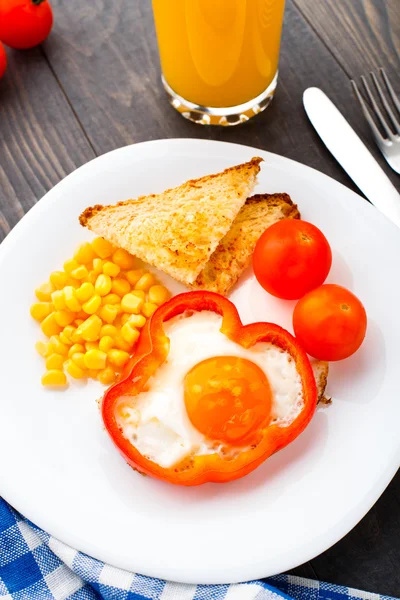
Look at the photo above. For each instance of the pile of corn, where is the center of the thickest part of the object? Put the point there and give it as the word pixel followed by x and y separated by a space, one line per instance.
pixel 92 313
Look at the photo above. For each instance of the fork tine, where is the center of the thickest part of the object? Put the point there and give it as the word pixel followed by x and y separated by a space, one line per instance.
pixel 379 137
pixel 385 103
pixel 376 108
pixel 391 91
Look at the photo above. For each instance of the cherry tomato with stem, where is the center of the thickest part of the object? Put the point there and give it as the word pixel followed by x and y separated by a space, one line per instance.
pixel 25 23
pixel 330 322
pixel 291 258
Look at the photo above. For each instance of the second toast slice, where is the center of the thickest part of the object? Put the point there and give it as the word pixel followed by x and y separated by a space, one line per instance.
pixel 233 253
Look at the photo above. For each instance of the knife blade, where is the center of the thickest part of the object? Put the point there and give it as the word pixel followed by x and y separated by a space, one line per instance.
pixel 351 153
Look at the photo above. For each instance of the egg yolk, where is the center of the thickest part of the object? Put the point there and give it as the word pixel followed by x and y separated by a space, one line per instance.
pixel 228 399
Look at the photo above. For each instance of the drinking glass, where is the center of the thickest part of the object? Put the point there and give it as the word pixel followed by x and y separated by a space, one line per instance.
pixel 219 58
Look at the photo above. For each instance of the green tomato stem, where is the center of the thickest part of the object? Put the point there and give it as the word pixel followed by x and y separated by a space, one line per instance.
pixel 37 2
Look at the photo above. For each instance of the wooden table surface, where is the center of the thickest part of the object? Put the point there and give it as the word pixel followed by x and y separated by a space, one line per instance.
pixel 94 86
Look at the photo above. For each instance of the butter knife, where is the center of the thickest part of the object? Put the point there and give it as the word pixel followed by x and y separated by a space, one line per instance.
pixel 351 153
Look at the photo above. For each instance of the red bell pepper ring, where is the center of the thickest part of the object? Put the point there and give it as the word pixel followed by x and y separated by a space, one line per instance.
pixel 152 350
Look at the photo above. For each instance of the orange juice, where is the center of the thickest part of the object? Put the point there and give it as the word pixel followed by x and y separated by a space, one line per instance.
pixel 218 53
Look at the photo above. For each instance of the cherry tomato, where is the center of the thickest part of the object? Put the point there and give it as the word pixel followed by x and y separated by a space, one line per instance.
pixel 291 258
pixel 330 322
pixel 25 23
pixel 3 60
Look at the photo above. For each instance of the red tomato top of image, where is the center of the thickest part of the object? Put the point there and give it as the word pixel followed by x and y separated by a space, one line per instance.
pixel 3 60
pixel 330 322
pixel 291 258
pixel 25 23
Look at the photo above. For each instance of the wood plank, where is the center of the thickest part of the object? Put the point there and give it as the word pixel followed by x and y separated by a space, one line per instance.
pixel 105 56
pixel 42 140
pixel 368 30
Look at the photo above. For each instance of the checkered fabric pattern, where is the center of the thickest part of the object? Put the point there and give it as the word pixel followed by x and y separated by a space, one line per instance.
pixel 35 566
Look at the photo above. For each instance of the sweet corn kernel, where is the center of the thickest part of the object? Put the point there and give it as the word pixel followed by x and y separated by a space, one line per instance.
pixel 123 259
pixel 125 318
pixel 111 299
pixel 139 293
pixel 55 377
pixel 91 346
pixel 111 269
pixel 49 325
pixel 131 303
pixel 134 276
pixel 79 359
pixel 95 359
pixel 76 337
pixel 109 312
pixel 58 300
pixel 42 348
pixel 106 376
pixel 106 343
pixel 44 291
pixel 71 300
pixel 103 285
pixel 58 279
pixel 148 308
pixel 120 287
pixel 92 373
pixel 64 317
pixel 102 247
pixel 85 292
pixel 58 346
pixel 65 340
pixel 92 277
pixel 84 254
pixel 98 265
pixel 129 333
pixel 70 265
pixel 80 272
pixel 68 331
pixel 76 348
pixel 121 343
pixel 119 358
pixel 55 361
pixel 92 305
pixel 145 282
pixel 90 329
pixel 137 320
pixel 108 330
pixel 158 294
pixel 40 310
pixel 72 369
pixel 78 322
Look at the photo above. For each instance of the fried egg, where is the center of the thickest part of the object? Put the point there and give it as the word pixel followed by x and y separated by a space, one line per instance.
pixel 210 394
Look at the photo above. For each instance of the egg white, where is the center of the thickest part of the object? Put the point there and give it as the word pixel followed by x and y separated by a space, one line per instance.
pixel 158 424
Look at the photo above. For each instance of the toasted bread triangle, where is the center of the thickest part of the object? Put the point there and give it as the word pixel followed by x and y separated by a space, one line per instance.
pixel 178 230
pixel 233 253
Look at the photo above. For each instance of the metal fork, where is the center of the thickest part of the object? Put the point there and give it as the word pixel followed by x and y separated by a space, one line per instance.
pixel 389 145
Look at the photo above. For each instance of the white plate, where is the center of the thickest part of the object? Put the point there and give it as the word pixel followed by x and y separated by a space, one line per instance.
pixel 58 466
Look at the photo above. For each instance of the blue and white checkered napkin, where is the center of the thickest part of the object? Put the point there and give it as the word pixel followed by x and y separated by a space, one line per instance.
pixel 36 566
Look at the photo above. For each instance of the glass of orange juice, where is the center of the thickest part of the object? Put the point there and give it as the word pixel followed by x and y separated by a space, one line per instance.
pixel 219 58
